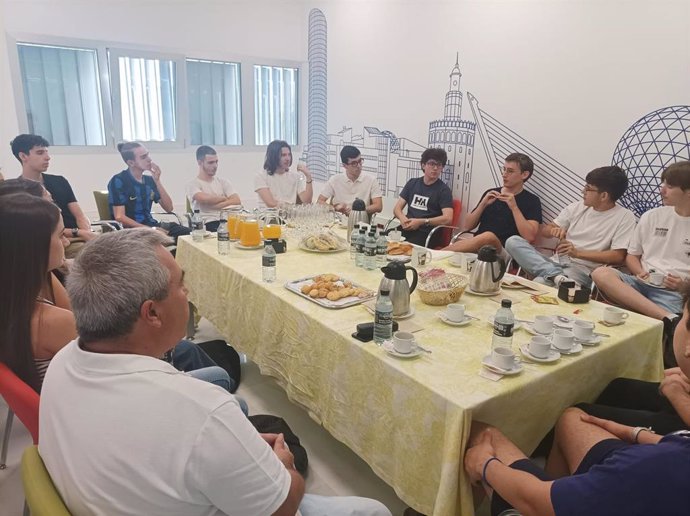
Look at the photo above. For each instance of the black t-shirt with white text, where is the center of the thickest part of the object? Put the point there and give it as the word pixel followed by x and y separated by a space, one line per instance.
pixel 424 202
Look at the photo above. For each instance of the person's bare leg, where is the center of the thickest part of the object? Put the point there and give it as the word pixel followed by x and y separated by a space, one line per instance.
pixel 610 284
pixel 472 245
pixel 574 438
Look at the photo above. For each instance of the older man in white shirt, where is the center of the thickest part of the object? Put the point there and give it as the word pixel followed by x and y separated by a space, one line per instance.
pixel 343 189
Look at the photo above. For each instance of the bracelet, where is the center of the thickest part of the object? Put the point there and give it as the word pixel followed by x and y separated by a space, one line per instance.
pixel 310 181
pixel 636 432
pixel 484 470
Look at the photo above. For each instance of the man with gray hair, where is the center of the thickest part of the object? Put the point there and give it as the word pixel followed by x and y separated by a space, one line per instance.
pixel 144 438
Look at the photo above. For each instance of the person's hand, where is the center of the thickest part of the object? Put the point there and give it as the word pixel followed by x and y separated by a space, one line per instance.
pixel 642 275
pixel 87 235
pixel 566 247
pixel 302 167
pixel 509 199
pixel 283 452
pixel 674 383
pixel 347 208
pixel 477 455
pixel 413 224
pixel 155 172
pixel 558 233
pixel 672 282
pixel 623 432
pixel 489 198
pixel 269 438
pixel 676 370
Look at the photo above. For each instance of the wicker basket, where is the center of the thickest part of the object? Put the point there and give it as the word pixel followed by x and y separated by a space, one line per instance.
pixel 442 290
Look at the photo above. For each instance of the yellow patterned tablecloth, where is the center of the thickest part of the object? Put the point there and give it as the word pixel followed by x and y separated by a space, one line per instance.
pixel 408 419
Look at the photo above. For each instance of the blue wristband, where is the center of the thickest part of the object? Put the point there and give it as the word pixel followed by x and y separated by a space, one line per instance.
pixel 484 470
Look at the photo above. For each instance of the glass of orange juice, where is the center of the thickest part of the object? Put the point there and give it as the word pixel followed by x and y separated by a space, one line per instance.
pixel 250 235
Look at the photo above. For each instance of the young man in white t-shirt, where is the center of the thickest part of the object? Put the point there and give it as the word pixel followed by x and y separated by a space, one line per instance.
pixel 208 193
pixel 591 232
pixel 343 189
pixel 660 243
pixel 276 184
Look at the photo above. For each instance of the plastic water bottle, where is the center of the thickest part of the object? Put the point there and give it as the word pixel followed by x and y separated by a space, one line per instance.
pixel 359 253
pixel 370 251
pixel 353 242
pixel 268 264
pixel 504 322
pixel 198 229
pixel 383 317
pixel 223 238
pixel 381 248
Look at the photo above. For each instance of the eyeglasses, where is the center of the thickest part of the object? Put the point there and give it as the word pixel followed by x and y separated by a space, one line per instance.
pixel 434 163
pixel 355 163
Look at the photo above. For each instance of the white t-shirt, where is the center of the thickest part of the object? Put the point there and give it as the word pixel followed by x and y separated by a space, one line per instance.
pixel 284 187
pixel 341 189
pixel 217 186
pixel 596 230
pixel 131 435
pixel 662 239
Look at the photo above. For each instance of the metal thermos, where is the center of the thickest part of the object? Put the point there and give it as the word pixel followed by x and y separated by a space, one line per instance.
pixel 487 271
pixel 395 281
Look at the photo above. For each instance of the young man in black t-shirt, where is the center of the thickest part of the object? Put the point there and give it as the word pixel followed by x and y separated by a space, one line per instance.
pixel 429 200
pixel 505 211
pixel 31 150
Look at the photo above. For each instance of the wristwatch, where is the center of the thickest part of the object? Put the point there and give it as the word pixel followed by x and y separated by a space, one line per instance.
pixel 426 222
pixel 75 232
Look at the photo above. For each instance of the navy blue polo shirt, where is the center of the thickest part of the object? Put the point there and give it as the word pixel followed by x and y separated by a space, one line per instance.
pixel 137 198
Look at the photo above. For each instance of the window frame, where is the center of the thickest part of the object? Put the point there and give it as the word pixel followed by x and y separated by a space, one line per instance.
pixel 109 88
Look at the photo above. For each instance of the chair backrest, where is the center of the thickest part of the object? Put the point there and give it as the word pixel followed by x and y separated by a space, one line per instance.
pixel 187 205
pixel 40 493
pixel 21 399
pixel 101 197
pixel 447 233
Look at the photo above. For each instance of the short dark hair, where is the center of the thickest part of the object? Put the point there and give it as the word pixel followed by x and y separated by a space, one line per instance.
pixel 611 180
pixel 524 162
pixel 20 184
pixel 348 152
pixel 273 155
pixel 678 175
pixel 435 154
pixel 204 151
pixel 126 150
pixel 25 142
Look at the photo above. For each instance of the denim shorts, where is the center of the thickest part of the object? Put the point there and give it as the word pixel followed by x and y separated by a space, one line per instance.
pixel 666 299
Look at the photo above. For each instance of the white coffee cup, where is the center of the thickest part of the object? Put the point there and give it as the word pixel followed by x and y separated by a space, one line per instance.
pixel 403 342
pixel 420 256
pixel 656 278
pixel 614 315
pixel 543 324
pixel 455 312
pixel 583 330
pixel 395 236
pixel 503 358
pixel 563 339
pixel 470 258
pixel 539 347
pixel 457 259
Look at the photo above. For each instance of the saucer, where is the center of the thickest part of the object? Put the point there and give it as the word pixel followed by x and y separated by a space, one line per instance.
pixel 248 247
pixel 517 325
pixel 577 348
pixel 594 340
pixel 553 355
pixel 568 325
pixel 517 368
pixel 529 328
pixel 442 315
pixel 387 346
pixel 470 291
pixel 398 258
pixel 650 284
pixel 401 239
pixel 405 316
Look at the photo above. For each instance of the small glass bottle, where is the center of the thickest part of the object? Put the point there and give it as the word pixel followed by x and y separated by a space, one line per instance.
pixel 504 322
pixel 370 251
pixel 353 242
pixel 198 229
pixel 223 238
pixel 359 254
pixel 381 248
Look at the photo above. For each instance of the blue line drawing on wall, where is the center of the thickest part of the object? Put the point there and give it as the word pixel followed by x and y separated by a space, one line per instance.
pixel 556 185
pixel 652 143
pixel 317 138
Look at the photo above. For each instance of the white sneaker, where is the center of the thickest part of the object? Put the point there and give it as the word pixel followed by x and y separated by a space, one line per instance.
pixel 560 279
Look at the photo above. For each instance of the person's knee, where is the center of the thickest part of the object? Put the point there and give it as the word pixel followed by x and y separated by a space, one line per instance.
pixel 603 274
pixel 514 243
pixel 570 417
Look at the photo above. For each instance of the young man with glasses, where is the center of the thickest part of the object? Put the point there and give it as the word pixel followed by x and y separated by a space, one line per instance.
pixel 342 189
pixel 660 243
pixel 505 211
pixel 590 232
pixel 429 200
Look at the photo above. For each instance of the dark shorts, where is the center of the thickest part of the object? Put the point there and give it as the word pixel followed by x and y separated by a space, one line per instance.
pixel 596 455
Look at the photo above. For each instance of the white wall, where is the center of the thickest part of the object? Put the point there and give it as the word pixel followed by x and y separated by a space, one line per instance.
pixel 569 75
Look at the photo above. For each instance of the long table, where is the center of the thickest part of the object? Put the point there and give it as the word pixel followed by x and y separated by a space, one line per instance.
pixel 408 419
